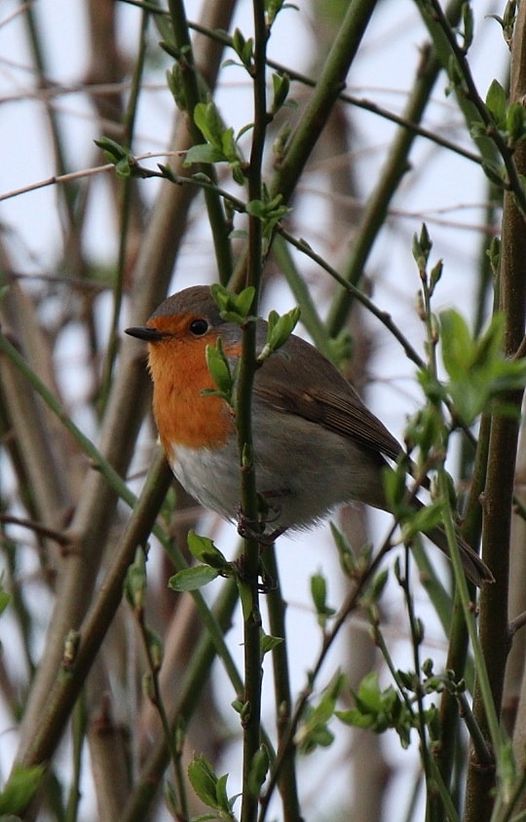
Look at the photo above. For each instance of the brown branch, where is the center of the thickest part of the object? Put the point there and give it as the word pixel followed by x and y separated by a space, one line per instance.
pixel 42 530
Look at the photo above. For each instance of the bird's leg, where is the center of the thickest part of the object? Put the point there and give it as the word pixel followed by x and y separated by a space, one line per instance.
pixel 268 583
pixel 251 529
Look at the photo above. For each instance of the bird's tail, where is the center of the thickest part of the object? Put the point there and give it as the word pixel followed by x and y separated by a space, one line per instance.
pixel 475 569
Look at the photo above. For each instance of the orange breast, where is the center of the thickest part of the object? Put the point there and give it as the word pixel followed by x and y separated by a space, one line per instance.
pixel 183 415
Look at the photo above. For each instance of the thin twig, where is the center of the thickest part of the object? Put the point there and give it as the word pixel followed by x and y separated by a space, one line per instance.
pixel 42 530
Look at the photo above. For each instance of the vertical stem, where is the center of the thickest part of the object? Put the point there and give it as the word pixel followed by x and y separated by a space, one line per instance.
pixel 494 635
pixel 247 369
pixel 287 782
pixel 78 739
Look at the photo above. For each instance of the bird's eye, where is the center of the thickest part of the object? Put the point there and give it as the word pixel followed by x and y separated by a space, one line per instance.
pixel 198 327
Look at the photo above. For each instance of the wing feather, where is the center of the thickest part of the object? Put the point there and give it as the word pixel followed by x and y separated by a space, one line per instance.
pixel 297 379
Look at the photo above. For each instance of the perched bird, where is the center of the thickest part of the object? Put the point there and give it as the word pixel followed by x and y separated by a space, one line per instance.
pixel 316 444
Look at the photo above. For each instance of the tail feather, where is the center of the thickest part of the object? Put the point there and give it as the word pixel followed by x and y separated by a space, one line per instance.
pixel 476 570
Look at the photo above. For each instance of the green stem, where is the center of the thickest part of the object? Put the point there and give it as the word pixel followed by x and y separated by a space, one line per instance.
pixel 467 609
pixel 287 782
pixel 434 780
pixel 458 637
pixel 503 439
pixel 158 703
pixel 433 809
pixel 78 730
pixel 195 677
pixel 351 602
pixel 247 369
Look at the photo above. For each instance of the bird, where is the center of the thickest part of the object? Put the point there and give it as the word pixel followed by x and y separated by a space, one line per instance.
pixel 316 443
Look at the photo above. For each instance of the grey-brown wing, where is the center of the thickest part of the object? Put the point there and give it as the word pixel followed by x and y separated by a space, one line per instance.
pixel 299 380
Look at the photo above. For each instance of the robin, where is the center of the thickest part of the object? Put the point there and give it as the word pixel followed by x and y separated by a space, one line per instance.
pixel 316 444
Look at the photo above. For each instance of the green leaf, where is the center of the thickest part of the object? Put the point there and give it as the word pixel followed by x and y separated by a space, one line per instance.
pixel 516 122
pixel 378 585
pixel 155 648
pixel 494 171
pixel 269 212
pixel 244 301
pixel 355 718
pixel 190 579
pixel 314 731
pixel 395 487
pixel 489 346
pixel 258 770
pixel 20 789
pixel 229 145
pixel 234 307
pixel 280 89
pixel 124 167
pixel 170 798
pixel 135 583
pixel 457 344
pixel 268 643
pixel 5 599
pixel 379 710
pixel 113 150
pixel 435 275
pixel 318 589
pixel 478 369
pixel 209 122
pixel 203 780
pixel 243 48
pixel 496 102
pixel 238 234
pixel 175 83
pixel 493 253
pixel 204 550
pixel 219 368
pixel 281 327
pixel 507 770
pixel 467 25
pixel 170 47
pixel 422 246
pixel 369 694
pixel 245 596
pixel 423 520
pixel 204 153
pixel 221 794
pixel 167 172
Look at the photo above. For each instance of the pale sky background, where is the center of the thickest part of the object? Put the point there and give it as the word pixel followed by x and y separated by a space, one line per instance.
pixel 439 181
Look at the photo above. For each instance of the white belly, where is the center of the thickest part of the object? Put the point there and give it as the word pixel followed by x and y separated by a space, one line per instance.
pixel 208 476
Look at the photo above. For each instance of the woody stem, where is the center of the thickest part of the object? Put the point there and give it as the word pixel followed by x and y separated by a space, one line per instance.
pixel 252 621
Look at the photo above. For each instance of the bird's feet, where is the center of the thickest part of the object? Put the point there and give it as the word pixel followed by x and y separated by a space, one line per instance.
pixel 268 583
pixel 256 529
pixel 267 514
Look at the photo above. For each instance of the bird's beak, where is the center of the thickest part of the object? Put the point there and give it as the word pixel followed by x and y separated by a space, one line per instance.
pixel 142 332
